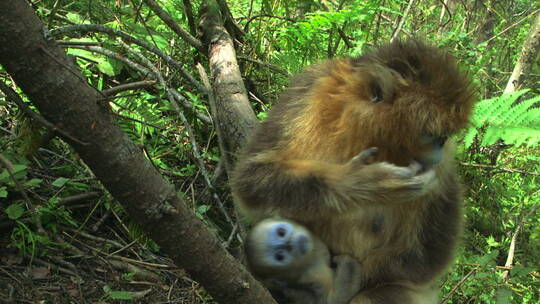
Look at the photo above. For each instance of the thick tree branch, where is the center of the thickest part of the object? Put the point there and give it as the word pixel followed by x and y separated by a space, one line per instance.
pixel 70 103
pixel 526 59
pixel 234 114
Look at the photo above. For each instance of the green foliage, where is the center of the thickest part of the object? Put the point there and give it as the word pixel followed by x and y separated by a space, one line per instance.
pixel 117 295
pixel 502 180
pixel 505 118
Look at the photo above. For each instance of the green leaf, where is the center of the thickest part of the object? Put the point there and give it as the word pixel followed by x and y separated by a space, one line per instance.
pixel 18 168
pixel 491 241
pixel 121 295
pixel 504 296
pixel 75 18
pixel 33 182
pixel 3 192
pixel 15 211
pixel 117 295
pixel 202 209
pixel 106 67
pixel 60 182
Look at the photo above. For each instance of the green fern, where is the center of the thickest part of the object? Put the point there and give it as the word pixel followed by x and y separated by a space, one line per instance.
pixel 501 119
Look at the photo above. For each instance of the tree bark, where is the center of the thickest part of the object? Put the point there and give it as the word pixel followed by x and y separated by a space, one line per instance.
pixel 526 59
pixel 234 115
pixel 44 73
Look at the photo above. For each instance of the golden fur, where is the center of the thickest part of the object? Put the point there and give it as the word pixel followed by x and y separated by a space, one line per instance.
pixel 400 222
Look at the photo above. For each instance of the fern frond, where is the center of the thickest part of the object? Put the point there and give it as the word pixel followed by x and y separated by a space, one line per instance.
pixel 501 118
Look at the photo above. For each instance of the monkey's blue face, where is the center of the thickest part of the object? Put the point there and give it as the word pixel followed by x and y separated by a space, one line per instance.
pixel 284 243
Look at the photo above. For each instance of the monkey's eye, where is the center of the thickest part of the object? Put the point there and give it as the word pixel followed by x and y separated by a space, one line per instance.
pixel 281 231
pixel 376 93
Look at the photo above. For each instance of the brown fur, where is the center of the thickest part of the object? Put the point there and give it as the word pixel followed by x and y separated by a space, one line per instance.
pixel 401 224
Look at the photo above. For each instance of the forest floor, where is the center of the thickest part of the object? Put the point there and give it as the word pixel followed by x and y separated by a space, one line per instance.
pixel 91 265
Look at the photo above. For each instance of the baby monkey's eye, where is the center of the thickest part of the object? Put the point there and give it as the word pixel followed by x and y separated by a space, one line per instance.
pixel 376 93
pixel 280 256
pixel 281 232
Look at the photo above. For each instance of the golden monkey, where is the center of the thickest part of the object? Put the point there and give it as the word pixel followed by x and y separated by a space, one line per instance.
pixel 296 266
pixel 356 150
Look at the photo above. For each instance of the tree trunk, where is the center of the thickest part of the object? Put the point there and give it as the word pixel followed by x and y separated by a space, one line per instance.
pixel 526 59
pixel 234 114
pixel 63 96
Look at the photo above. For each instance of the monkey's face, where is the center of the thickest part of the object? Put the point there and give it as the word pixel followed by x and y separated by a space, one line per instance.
pixel 406 99
pixel 279 248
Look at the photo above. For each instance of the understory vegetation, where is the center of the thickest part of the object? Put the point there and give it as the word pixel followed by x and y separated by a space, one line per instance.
pixel 64 239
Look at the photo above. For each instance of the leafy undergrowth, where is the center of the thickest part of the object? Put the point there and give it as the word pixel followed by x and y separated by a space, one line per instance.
pixel 97 263
pixel 63 239
pixel 78 274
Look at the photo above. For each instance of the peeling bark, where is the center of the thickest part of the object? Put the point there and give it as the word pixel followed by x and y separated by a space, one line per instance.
pixel 234 115
pixel 52 83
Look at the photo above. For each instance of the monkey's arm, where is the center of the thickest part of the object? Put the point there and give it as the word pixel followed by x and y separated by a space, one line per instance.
pixel 266 182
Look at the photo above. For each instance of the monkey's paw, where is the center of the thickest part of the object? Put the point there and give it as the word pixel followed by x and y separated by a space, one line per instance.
pixel 388 181
pixel 347 278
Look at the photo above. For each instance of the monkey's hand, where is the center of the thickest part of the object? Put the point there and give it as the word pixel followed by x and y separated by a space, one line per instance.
pixel 384 181
pixel 347 279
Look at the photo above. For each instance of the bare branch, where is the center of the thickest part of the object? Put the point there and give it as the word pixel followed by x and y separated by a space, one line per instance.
pixel 163 15
pixel 274 68
pixel 103 29
pixel 402 21
pixel 512 249
pixel 129 86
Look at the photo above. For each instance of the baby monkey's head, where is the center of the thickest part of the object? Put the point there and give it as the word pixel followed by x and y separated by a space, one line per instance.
pixel 283 249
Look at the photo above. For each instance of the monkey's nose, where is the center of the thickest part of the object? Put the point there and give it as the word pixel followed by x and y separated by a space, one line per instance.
pixel 303 244
pixel 440 141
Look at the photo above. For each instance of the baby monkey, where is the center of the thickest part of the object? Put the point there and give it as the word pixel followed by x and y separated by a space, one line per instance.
pixel 297 267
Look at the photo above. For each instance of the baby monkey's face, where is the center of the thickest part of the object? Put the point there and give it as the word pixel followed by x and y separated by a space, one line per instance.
pixel 281 247
pixel 283 243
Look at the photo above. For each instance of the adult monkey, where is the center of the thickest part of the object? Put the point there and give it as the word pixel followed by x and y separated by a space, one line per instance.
pixel 356 150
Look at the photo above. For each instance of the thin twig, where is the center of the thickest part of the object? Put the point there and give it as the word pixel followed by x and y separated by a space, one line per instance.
pixel 79 198
pixel 138 121
pixel 269 65
pixel 511 26
pixel 246 26
pixel 146 72
pixel 402 21
pixel 103 29
pixel 70 42
pixel 447 297
pixel 129 86
pixel 189 130
pixel 103 51
pixel 499 168
pixel 512 249
pixel 165 17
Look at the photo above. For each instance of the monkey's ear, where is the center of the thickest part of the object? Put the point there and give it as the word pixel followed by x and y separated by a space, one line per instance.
pixel 377 94
pixel 381 83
